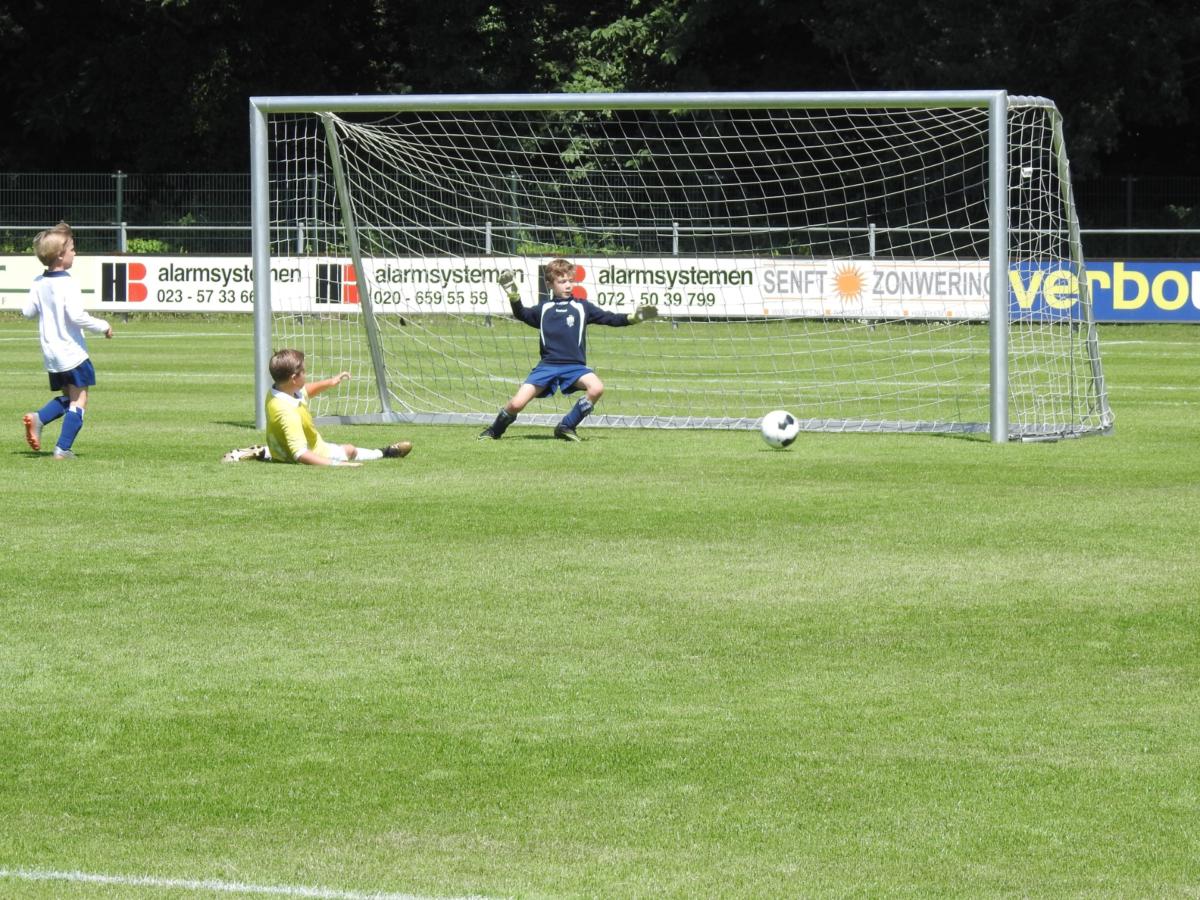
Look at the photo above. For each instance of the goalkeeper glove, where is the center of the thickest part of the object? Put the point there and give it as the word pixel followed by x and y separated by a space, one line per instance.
pixel 507 280
pixel 642 313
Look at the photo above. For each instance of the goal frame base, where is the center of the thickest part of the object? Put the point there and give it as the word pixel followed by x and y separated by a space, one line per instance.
pixel 1026 433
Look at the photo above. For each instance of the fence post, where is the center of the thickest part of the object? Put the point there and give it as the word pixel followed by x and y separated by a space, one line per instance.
pixel 119 179
pixel 122 237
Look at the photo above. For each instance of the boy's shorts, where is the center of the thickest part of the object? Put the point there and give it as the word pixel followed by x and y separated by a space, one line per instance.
pixel 83 375
pixel 323 448
pixel 549 378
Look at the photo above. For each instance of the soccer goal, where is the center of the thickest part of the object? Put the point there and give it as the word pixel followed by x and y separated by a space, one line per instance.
pixel 887 262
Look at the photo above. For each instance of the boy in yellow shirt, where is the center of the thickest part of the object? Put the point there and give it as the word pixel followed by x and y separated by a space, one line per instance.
pixel 291 434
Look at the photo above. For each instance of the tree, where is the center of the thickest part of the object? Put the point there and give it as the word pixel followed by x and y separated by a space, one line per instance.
pixel 161 85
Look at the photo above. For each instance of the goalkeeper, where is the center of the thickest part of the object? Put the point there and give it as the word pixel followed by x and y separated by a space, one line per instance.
pixel 562 321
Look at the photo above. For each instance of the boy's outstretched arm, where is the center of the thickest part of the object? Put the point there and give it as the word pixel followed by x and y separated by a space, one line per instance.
pixel 326 383
pixel 602 316
pixel 508 281
pixel 77 315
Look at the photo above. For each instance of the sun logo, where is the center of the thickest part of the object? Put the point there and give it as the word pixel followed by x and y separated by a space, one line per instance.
pixel 849 283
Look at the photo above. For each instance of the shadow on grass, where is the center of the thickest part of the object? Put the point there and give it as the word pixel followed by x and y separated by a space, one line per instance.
pixel 548 436
pixel 978 438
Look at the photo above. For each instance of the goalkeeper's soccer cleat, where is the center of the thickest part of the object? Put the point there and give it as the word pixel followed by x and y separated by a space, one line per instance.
pixel 563 433
pixel 33 430
pixel 488 434
pixel 63 454
pixel 398 450
pixel 257 452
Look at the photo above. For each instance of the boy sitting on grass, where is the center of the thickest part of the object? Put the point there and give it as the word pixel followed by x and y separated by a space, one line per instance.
pixel 291 434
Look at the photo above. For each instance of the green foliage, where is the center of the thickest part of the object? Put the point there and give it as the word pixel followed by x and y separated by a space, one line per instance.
pixel 631 52
pixel 149 246
pixel 15 244
pixel 582 244
pixel 679 664
pixel 195 64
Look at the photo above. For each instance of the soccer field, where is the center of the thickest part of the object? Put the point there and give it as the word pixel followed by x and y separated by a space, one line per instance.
pixel 656 663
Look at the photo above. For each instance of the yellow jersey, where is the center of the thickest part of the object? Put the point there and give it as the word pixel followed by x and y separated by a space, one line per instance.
pixel 290 428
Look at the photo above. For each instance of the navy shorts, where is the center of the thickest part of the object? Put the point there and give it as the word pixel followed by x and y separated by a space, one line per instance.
pixel 548 378
pixel 83 375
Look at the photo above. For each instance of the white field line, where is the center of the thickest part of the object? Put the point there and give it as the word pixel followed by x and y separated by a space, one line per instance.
pixel 208 885
pixel 1148 342
pixel 118 335
pixel 138 377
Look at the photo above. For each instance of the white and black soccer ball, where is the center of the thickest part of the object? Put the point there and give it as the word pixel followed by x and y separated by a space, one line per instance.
pixel 779 428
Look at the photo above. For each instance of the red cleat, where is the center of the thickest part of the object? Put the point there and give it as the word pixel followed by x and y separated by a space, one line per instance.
pixel 33 430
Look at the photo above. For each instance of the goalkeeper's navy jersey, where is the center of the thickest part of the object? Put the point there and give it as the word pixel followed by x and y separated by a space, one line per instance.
pixel 563 327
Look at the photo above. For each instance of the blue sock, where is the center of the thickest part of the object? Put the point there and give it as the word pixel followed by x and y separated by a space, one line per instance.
pixel 53 409
pixel 72 422
pixel 577 414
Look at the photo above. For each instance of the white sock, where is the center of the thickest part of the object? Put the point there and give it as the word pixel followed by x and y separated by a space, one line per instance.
pixel 365 455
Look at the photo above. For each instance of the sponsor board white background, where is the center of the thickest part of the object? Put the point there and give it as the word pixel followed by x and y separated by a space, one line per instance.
pixel 678 286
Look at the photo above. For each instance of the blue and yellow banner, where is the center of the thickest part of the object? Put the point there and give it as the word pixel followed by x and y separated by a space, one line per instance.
pixel 1145 291
pixel 1121 291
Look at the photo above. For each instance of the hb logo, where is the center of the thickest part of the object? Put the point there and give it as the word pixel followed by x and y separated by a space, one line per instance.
pixel 123 282
pixel 336 283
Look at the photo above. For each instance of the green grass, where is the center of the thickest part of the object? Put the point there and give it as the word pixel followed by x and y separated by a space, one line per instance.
pixel 651 664
pixel 712 371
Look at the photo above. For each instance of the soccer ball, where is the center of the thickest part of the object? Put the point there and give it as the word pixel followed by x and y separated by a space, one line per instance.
pixel 779 428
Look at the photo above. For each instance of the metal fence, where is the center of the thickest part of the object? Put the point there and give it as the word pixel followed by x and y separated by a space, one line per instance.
pixel 124 212
pixel 1140 216
pixel 1128 217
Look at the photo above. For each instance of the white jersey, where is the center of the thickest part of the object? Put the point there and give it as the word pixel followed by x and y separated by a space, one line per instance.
pixel 55 301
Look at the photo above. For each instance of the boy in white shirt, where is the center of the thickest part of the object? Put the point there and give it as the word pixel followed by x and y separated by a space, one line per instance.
pixel 55 301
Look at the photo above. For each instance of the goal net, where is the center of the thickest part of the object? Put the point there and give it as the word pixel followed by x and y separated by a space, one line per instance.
pixel 867 262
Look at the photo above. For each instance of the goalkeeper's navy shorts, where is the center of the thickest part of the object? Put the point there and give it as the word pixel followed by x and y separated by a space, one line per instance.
pixel 549 378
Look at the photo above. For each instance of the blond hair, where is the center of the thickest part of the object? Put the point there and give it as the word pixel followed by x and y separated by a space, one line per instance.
pixel 51 244
pixel 284 364
pixel 557 268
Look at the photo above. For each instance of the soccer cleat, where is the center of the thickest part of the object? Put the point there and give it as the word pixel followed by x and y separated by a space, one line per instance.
pixel 488 435
pixel 33 430
pixel 398 450
pixel 63 454
pixel 562 432
pixel 257 452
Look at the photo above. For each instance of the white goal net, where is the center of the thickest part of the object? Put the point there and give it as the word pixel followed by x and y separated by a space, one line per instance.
pixel 833 257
